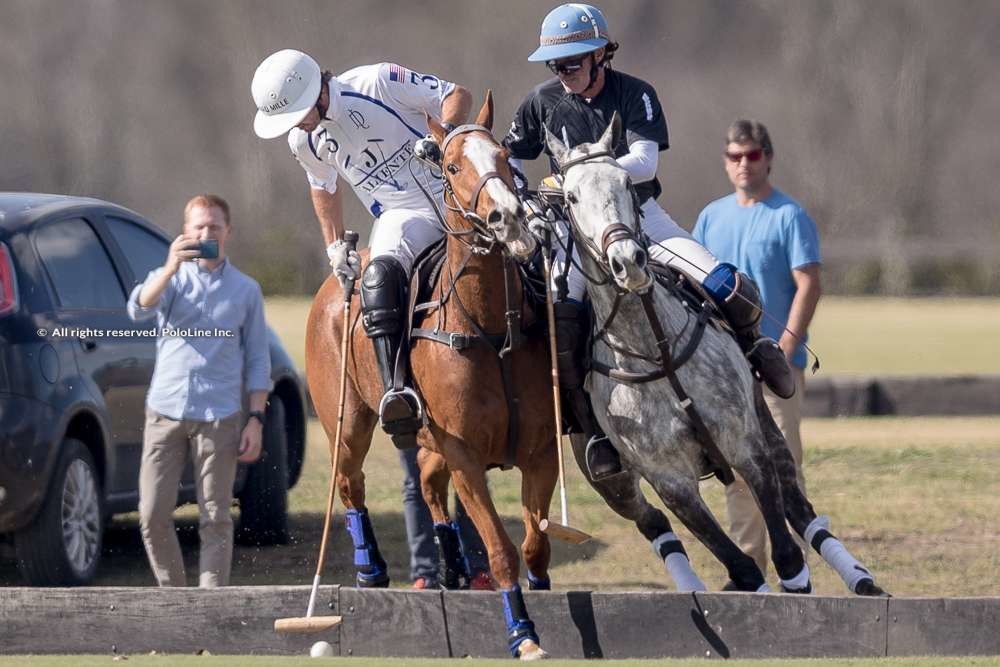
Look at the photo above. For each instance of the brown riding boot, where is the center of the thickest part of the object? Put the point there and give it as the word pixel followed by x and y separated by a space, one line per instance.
pixel 742 309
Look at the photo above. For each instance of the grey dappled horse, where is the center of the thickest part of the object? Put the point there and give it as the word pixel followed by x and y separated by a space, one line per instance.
pixel 654 430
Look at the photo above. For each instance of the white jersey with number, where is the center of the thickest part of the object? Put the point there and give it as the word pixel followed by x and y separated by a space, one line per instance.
pixel 376 114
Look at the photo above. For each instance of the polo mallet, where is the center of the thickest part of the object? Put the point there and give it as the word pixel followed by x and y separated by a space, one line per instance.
pixel 561 530
pixel 310 623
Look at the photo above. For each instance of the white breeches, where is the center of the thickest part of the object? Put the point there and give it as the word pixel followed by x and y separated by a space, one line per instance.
pixel 671 245
pixel 404 234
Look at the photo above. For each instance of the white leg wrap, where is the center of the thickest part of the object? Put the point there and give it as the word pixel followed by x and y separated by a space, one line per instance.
pixel 678 566
pixel 837 555
pixel 817 524
pixel 764 588
pixel 799 581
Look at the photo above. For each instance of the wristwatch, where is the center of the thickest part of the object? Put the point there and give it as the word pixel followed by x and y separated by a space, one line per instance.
pixel 258 414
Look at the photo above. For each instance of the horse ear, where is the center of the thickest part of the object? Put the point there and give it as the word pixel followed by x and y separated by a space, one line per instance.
pixel 438 132
pixel 556 147
pixel 612 134
pixel 485 117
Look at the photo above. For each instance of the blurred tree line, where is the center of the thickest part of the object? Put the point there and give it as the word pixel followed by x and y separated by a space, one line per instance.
pixel 884 114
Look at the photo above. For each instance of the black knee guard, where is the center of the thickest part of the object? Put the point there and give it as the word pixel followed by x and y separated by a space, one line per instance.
pixel 383 313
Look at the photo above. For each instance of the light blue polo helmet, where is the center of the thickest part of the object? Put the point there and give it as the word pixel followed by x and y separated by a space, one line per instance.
pixel 569 30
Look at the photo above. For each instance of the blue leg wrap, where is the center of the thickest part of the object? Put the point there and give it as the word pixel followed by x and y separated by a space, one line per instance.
pixel 536 584
pixel 372 571
pixel 721 282
pixel 519 626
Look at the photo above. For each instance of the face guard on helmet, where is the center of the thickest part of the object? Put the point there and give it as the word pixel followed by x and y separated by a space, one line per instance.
pixel 285 88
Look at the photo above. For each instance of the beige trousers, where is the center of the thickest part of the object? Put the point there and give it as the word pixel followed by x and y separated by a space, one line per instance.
pixel 213 447
pixel 746 524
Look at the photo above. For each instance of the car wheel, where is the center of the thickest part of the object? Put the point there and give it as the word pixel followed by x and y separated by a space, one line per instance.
pixel 264 498
pixel 62 547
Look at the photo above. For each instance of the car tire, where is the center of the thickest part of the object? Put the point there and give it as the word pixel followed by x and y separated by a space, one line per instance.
pixel 62 547
pixel 264 498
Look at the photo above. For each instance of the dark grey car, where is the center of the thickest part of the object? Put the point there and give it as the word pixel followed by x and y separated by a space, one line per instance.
pixel 72 399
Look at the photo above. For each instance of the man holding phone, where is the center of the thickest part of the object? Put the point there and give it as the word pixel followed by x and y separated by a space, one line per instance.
pixel 194 403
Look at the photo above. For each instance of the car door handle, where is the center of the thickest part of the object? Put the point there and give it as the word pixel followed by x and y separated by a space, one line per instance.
pixel 88 344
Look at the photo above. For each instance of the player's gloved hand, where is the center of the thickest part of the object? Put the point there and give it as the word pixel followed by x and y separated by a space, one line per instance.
pixel 540 223
pixel 427 149
pixel 345 261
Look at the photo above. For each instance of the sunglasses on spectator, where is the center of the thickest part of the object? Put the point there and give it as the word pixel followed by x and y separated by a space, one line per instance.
pixel 568 66
pixel 751 156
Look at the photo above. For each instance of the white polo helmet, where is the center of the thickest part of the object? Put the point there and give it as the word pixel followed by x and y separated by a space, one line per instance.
pixel 285 88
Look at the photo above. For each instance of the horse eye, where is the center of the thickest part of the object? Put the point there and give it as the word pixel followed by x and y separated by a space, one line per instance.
pixel 452 168
pixel 570 197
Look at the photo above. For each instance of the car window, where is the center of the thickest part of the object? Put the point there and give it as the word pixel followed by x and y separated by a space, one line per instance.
pixel 143 250
pixel 79 266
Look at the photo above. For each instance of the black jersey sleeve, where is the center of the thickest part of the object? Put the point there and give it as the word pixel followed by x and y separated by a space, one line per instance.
pixel 524 139
pixel 643 115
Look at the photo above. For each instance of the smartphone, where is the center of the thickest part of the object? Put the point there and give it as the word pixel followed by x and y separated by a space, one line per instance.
pixel 208 249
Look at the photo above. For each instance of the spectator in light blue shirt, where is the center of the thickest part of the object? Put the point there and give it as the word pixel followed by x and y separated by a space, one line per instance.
pixel 212 345
pixel 769 236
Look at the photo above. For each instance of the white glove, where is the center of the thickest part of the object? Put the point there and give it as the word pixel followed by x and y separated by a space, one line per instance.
pixel 346 262
pixel 538 223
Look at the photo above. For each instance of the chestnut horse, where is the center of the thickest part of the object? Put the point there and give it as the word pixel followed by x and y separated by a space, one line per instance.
pixel 468 407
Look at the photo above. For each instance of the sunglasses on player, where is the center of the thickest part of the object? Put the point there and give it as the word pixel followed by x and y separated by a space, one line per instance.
pixel 567 66
pixel 751 156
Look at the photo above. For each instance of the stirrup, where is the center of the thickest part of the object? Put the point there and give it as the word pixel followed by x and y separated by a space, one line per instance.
pixel 401 423
pixel 603 461
pixel 771 367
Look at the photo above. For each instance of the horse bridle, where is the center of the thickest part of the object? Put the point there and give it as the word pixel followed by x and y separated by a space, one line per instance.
pixel 479 226
pixel 614 232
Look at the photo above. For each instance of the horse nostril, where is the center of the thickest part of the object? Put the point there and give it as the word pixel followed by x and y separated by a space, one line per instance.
pixel 519 211
pixel 494 217
pixel 616 266
pixel 639 258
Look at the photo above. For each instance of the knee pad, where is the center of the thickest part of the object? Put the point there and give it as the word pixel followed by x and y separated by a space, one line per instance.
pixel 737 296
pixel 383 292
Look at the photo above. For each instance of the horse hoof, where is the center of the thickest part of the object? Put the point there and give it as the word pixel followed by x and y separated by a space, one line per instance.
pixel 529 650
pixel 805 590
pixel 377 580
pixel 868 588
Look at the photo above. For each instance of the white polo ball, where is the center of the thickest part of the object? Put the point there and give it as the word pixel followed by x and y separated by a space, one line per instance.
pixel 321 650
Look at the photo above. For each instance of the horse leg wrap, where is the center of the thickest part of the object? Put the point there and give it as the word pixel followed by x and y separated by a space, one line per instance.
pixel 835 553
pixel 456 567
pixel 519 626
pixel 372 572
pixel 671 552
pixel 538 584
pixel 799 583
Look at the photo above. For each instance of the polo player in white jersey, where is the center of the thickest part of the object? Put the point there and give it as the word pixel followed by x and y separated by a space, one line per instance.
pixel 362 127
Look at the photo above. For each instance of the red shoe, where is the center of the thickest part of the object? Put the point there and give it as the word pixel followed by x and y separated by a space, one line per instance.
pixel 422 584
pixel 482 581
